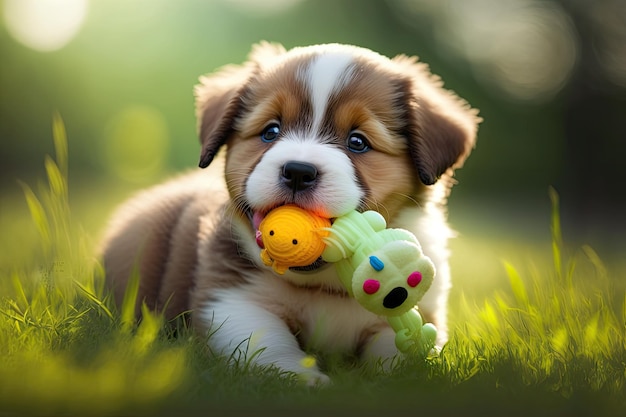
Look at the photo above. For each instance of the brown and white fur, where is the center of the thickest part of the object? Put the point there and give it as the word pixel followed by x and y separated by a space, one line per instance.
pixel 381 134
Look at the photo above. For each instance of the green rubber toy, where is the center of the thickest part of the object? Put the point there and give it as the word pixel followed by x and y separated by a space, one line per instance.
pixel 386 271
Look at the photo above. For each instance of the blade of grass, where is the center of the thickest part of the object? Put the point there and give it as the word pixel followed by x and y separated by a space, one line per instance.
pixel 18 287
pixel 557 238
pixel 517 285
pixel 128 313
pixel 56 179
pixel 38 215
pixel 92 297
pixel 59 136
pixel 148 330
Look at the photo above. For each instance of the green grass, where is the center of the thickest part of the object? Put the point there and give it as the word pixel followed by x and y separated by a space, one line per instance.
pixel 552 343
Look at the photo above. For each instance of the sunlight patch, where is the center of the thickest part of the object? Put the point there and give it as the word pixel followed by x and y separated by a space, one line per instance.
pixel 44 25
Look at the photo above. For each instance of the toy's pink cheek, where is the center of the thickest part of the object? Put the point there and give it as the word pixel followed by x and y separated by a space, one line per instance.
pixel 414 279
pixel 371 286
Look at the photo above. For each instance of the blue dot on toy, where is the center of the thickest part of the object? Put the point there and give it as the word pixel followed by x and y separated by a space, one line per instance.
pixel 376 263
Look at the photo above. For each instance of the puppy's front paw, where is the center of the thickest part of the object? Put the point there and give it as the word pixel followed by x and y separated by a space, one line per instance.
pixel 314 378
pixel 309 374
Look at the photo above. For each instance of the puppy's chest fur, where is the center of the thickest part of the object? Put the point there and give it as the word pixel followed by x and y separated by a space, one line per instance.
pixel 315 307
pixel 320 321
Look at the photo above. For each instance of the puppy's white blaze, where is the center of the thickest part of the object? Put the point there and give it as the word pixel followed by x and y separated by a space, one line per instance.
pixel 336 192
pixel 327 74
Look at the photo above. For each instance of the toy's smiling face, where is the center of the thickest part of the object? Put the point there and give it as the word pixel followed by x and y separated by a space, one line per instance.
pixel 393 279
pixel 291 237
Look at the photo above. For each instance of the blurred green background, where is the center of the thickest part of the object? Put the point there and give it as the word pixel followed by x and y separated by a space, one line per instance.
pixel 548 76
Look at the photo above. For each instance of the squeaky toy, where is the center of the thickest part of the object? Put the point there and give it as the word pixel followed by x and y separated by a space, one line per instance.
pixel 384 269
pixel 290 237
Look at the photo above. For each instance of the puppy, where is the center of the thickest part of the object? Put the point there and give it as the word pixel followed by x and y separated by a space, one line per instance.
pixel 329 128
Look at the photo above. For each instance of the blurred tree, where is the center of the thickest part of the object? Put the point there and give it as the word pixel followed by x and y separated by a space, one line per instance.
pixel 593 181
pixel 147 54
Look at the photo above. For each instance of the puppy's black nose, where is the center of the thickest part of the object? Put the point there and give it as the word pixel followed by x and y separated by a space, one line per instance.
pixel 298 175
pixel 395 298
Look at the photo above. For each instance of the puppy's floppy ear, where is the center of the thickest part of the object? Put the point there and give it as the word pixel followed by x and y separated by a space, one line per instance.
pixel 441 127
pixel 219 99
pixel 217 105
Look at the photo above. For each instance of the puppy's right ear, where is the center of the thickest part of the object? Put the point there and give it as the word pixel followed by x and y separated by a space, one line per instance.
pixel 219 99
pixel 217 104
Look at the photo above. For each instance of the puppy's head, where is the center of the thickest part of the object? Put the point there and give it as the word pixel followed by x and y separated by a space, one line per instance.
pixel 331 128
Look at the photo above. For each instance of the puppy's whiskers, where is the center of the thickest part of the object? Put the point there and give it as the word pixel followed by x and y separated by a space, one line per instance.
pixel 410 198
pixel 373 204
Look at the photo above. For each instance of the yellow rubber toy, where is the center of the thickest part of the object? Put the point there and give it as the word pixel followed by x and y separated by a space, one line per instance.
pixel 292 237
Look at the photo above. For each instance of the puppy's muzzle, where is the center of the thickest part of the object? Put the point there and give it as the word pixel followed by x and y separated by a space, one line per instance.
pixel 298 176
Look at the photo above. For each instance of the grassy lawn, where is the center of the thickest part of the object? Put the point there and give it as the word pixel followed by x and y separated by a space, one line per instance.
pixel 541 334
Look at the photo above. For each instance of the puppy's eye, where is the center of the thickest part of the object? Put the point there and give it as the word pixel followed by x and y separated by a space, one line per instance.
pixel 357 143
pixel 270 133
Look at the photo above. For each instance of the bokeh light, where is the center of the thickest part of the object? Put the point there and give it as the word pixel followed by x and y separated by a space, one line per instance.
pixel 135 144
pixel 44 25
pixel 609 18
pixel 534 57
pixel 526 49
